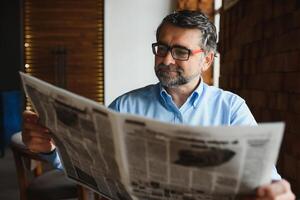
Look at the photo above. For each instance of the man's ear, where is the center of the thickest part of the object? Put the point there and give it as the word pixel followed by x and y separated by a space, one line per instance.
pixel 208 60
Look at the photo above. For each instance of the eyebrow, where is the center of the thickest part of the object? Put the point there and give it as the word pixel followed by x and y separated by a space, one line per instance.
pixel 175 45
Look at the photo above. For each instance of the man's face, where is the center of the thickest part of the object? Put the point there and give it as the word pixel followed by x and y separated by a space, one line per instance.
pixel 172 72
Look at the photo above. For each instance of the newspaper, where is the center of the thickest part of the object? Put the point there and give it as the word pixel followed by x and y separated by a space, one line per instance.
pixel 123 156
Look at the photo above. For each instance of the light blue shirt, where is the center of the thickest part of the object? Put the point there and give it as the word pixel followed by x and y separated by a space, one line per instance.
pixel 206 106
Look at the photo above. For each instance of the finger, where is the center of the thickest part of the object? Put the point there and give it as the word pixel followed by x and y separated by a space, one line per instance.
pixel 30 116
pixel 286 196
pixel 29 135
pixel 38 140
pixel 42 148
pixel 274 189
pixel 38 134
pixel 35 127
pixel 31 140
pixel 32 137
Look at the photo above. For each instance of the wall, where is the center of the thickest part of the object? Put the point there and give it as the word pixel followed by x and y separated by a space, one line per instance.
pixel 260 60
pixel 10 45
pixel 130 28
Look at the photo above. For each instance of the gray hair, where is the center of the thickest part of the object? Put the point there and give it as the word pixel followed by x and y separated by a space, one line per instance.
pixel 193 19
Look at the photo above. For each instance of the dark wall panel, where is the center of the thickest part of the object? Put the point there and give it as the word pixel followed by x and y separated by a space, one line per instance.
pixel 10 44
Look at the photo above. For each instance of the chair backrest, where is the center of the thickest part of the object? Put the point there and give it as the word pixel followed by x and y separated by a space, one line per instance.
pixel 30 176
pixel 23 159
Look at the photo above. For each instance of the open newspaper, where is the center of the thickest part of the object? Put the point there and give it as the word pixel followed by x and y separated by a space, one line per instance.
pixel 123 156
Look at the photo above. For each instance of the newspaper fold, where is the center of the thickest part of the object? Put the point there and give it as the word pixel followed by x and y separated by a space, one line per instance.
pixel 123 156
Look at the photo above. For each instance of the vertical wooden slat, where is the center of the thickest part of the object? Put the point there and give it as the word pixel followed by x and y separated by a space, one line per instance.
pixel 69 34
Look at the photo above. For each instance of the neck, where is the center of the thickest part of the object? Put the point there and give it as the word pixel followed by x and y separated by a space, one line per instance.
pixel 180 93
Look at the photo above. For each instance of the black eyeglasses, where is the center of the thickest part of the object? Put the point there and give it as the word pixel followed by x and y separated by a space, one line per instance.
pixel 177 52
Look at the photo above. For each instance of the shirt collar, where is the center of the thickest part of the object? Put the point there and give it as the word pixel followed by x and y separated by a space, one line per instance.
pixel 193 98
pixel 164 94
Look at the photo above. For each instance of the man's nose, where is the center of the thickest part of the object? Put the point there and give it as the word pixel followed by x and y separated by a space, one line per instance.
pixel 168 59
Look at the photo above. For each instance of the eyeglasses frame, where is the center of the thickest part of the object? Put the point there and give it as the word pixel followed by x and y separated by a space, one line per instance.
pixel 169 48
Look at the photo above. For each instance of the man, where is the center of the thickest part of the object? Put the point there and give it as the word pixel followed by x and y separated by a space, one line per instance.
pixel 185 47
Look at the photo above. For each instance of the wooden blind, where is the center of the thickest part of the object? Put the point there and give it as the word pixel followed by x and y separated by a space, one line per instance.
pixel 64 44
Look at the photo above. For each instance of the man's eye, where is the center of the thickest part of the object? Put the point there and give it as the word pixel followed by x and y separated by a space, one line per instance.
pixel 162 48
pixel 179 51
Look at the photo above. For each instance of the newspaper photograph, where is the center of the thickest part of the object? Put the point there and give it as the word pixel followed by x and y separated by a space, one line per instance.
pixel 123 156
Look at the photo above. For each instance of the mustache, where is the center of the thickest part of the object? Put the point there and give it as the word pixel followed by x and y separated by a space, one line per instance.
pixel 171 68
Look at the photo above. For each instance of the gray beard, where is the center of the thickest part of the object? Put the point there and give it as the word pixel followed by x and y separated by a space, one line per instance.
pixel 166 81
pixel 171 83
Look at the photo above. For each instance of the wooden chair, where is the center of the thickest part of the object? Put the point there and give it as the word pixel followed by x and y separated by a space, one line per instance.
pixel 36 184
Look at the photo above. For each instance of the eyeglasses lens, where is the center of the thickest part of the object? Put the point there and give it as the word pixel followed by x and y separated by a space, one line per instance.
pixel 180 53
pixel 177 53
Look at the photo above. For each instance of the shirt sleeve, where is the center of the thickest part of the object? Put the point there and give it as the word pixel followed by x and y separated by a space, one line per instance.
pixel 275 175
pixel 115 105
pixel 241 114
pixel 53 159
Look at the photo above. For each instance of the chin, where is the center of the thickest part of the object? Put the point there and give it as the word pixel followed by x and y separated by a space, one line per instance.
pixel 173 84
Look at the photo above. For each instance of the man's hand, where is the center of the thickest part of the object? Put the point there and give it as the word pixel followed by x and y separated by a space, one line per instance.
pixel 36 137
pixel 277 190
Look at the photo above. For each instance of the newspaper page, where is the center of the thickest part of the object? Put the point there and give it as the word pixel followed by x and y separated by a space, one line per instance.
pixel 184 162
pixel 83 133
pixel 123 156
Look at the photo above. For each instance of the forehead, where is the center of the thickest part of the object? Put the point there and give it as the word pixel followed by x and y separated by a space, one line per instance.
pixel 173 35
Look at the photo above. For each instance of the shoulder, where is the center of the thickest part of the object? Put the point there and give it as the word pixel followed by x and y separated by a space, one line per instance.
pixel 144 92
pixel 140 95
pixel 228 98
pixel 230 104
